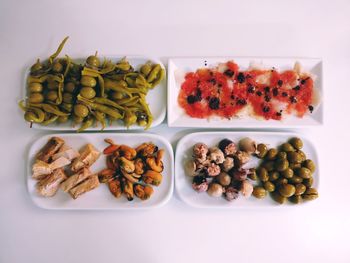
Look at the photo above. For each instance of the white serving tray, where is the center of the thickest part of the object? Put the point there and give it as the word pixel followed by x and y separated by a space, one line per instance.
pixel 178 67
pixel 156 98
pixel 183 183
pixel 101 198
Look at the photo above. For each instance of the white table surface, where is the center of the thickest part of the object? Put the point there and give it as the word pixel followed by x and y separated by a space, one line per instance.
pixel 177 233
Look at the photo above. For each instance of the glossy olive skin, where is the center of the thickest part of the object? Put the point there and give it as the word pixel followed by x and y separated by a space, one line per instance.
pixel 81 110
pixel 261 150
pixel 69 87
pixel 302 154
pixel 303 172
pixel 93 61
pixel 294 166
pixel 67 97
pixel 299 189
pixel 288 173
pixel 57 67
pixel 287 147
pixel 87 92
pixel 36 97
pixel 259 192
pixel 35 87
pixel 88 81
pixel 271 154
pixel 52 95
pixel 281 165
pixel 295 180
pixel 269 165
pixel 270 187
pixel 278 198
pixel 308 182
pixel 310 194
pixel 282 155
pixel 263 174
pixel 295 157
pixel 274 175
pixel 116 95
pixel 67 106
pixel 62 119
pixel 281 181
pixel 297 143
pixel 77 119
pixel 296 199
pixel 286 190
pixel 252 174
pixel 309 164
pixel 52 85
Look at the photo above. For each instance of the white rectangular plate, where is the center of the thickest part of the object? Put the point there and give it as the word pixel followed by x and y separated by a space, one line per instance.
pixel 178 67
pixel 156 98
pixel 101 198
pixel 183 183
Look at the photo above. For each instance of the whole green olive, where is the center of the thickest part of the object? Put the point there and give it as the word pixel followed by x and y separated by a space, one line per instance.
pixel 269 165
pixel 77 119
pixel 297 143
pixel 271 154
pixel 36 66
pixel 35 87
pixel 309 164
pixel 57 67
pixel 69 87
pixel 67 97
pixel 52 95
pixel 252 174
pixel 281 165
pixel 30 116
pixel 299 189
pixel 303 172
pixel 294 166
pixel 296 199
pixel 287 147
pixel 278 197
pixel 310 194
pixel 281 181
pixel 288 173
pixel 270 187
pixel 262 174
pixel 67 106
pixel 295 180
pixel 62 119
pixel 308 182
pixel 88 81
pixel 261 150
pixel 93 61
pixel 81 110
pixel 87 92
pixel 286 190
pixel 36 97
pixel 259 192
pixel 302 154
pixel 116 95
pixel 282 155
pixel 52 85
pixel 273 176
pixel 295 157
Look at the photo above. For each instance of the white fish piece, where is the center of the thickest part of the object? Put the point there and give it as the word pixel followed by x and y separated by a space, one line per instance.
pixel 75 179
pixel 59 163
pixel 88 155
pixel 67 152
pixel 49 149
pixel 50 184
pixel 40 170
pixel 89 184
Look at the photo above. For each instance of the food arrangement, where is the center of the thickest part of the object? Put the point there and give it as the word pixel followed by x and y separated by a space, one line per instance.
pixel 228 170
pixel 229 92
pixel 132 171
pixel 97 91
pixel 59 166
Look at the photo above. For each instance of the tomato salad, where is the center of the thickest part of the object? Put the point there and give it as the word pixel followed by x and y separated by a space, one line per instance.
pixel 226 90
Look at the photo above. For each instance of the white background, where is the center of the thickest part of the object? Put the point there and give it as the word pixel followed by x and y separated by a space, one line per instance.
pixel 177 233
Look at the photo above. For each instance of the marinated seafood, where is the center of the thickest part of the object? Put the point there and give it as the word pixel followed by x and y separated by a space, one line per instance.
pixel 86 186
pixel 88 155
pixel 50 184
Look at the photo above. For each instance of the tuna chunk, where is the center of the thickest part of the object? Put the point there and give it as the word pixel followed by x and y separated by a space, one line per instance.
pixel 86 186
pixel 88 155
pixel 50 148
pixel 75 179
pixel 49 185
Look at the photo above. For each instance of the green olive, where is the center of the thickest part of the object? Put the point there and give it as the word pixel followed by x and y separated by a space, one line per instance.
pixel 259 192
pixel 36 66
pixel 271 154
pixel 299 189
pixel 270 187
pixel 308 182
pixel 310 194
pixel 303 172
pixel 302 154
pixel 294 166
pixel 286 190
pixel 278 198
pixel 296 199
pixel 269 165
pixel 30 116
pixel 77 119
pixel 93 61
pixel 87 92
pixel 262 174
pixel 274 175
pixel 297 143
pixel 52 85
pixel 282 155
pixel 69 87
pixel 67 97
pixel 116 95
pixel 36 97
pixel 52 95
pixel 288 173
pixel 146 69
pixel 35 87
pixel 261 150
pixel 294 157
pixel 88 81
pixel 143 123
pixel 57 67
pixel 81 110
pixel 67 106
pixel 295 180
pixel 252 174
pixel 62 119
pixel 281 165
pixel 287 147
pixel 309 164
pixel 281 181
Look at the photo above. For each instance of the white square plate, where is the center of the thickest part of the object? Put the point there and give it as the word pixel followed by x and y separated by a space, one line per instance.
pixel 178 67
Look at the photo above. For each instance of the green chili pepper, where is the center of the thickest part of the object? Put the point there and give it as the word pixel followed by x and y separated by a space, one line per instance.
pixel 128 101
pixel 159 78
pixel 100 118
pixel 153 74
pixel 100 107
pixel 69 61
pixel 130 118
pixel 48 108
pixel 58 51
pixel 141 82
pixel 86 124
pixel 147 110
pixel 50 120
pixel 146 68
pixel 33 114
pixel 108 102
